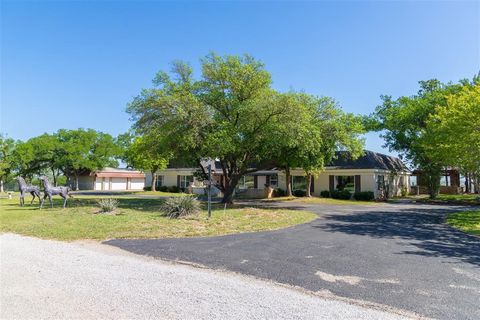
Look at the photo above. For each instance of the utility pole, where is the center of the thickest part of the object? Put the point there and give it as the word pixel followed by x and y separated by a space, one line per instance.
pixel 209 191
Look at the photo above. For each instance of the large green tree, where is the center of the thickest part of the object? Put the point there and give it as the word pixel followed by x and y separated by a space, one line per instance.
pixel 228 114
pixel 404 125
pixel 81 151
pixel 453 132
pixel 309 132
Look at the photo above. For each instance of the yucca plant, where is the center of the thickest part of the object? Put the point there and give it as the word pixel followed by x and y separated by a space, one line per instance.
pixel 107 205
pixel 175 207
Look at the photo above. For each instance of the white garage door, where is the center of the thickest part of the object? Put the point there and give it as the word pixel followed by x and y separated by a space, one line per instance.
pixel 137 183
pixel 119 184
pixel 98 184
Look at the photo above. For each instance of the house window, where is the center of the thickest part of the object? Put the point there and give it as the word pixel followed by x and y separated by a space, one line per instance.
pixel 299 183
pixel 380 182
pixel 159 182
pixel 274 180
pixel 185 181
pixel 413 181
pixel 247 182
pixel 346 183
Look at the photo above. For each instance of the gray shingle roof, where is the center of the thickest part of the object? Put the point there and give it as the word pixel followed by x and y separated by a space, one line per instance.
pixel 369 160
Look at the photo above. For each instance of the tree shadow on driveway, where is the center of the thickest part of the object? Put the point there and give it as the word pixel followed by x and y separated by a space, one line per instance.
pixel 420 227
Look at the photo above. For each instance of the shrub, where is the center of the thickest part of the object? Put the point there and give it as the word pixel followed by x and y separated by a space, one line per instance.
pixel 173 189
pixel 299 193
pixel 341 194
pixel 163 189
pixel 325 194
pixel 364 196
pixel 404 191
pixel 280 192
pixel 147 188
pixel 107 205
pixel 175 207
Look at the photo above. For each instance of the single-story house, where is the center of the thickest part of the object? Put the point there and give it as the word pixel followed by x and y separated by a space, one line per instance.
pixel 112 179
pixel 371 172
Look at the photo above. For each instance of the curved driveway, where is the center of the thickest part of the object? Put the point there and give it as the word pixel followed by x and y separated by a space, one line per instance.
pixel 400 255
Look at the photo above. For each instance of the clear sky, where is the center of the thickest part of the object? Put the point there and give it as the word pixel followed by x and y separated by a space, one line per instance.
pixel 71 64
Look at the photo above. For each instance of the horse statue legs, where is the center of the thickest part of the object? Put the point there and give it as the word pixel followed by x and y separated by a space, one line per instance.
pixel 25 188
pixel 50 191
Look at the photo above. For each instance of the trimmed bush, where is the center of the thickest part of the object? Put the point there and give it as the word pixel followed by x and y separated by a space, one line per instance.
pixel 341 194
pixel 364 196
pixel 107 205
pixel 147 188
pixel 325 194
pixel 175 207
pixel 163 189
pixel 173 189
pixel 299 193
pixel 280 192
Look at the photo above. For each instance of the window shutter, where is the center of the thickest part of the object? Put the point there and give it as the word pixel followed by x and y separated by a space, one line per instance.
pixel 331 180
pixel 358 186
pixel 255 182
pixel 178 181
pixel 267 180
pixel 312 185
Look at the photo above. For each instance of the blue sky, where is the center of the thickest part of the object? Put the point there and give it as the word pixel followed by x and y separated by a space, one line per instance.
pixel 71 64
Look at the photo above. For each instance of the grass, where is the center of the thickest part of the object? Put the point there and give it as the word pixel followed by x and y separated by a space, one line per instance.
pixel 468 221
pixel 318 200
pixel 130 193
pixel 137 218
pixel 453 198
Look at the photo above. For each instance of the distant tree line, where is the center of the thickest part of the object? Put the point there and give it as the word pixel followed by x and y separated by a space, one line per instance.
pixel 63 154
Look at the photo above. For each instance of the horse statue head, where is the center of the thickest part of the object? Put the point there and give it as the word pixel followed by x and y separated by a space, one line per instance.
pixel 20 180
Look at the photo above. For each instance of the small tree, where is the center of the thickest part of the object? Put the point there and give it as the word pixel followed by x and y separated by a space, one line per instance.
pixel 143 153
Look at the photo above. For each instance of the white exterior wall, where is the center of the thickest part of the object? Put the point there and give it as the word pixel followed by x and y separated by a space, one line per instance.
pixel 170 176
pixel 368 179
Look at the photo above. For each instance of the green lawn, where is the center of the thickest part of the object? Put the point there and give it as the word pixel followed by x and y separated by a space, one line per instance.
pixel 318 200
pixel 468 221
pixel 455 198
pixel 136 218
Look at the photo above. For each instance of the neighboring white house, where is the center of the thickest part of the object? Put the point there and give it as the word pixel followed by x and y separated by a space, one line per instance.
pixel 109 179
pixel 371 172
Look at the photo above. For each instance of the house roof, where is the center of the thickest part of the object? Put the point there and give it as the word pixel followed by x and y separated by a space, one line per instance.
pixel 369 160
pixel 118 173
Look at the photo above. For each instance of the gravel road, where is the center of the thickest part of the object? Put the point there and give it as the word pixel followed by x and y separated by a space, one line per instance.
pixel 42 279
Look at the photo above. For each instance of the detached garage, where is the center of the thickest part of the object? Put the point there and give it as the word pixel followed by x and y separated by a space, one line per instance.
pixel 112 179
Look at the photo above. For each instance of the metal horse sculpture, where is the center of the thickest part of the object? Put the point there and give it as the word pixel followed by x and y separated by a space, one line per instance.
pixel 25 188
pixel 50 191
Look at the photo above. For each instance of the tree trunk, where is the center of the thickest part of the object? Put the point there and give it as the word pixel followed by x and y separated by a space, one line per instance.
pixel 230 185
pixel 289 181
pixel 309 184
pixel 154 180
pixel 1 185
pixel 54 178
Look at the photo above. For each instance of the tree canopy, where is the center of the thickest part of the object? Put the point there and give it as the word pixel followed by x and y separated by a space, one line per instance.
pixel 405 124
pixel 67 152
pixel 232 114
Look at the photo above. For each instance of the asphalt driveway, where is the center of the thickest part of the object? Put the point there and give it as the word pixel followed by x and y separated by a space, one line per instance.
pixel 400 255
